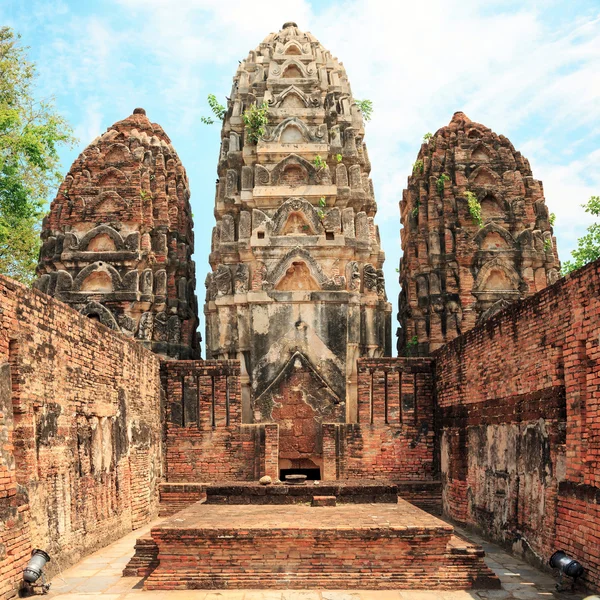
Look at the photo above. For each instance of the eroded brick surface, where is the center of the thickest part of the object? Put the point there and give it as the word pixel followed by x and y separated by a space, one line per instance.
pixel 518 402
pixel 80 458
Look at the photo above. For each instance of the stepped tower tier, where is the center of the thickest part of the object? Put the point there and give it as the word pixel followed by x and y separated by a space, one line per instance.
pixel 296 282
pixel 118 241
pixel 458 269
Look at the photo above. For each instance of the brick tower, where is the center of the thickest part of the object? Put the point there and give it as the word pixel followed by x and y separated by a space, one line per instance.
pixel 118 241
pixel 457 270
pixel 296 289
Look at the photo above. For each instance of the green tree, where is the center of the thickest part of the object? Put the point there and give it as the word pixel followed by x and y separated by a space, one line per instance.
pixel 30 133
pixel 588 246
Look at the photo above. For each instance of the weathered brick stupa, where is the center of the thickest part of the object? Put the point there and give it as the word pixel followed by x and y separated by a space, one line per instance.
pixel 118 241
pixel 297 283
pixel 459 268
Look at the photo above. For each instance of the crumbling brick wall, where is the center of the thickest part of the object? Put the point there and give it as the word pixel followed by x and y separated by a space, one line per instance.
pixel 205 438
pixel 394 436
pixel 80 444
pixel 519 426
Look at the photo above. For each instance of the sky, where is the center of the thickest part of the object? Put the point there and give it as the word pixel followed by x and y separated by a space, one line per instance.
pixel 528 70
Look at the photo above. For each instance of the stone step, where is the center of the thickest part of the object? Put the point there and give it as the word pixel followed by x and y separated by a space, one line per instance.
pixel 358 546
pixel 145 558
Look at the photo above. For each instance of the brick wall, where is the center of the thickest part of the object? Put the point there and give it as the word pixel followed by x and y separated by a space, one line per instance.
pixel 205 438
pixel 519 421
pixel 394 436
pixel 80 449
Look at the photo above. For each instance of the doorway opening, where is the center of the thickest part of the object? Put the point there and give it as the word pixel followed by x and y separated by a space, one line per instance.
pixel 311 474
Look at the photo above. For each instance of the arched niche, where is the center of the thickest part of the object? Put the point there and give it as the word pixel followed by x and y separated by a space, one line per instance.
pixel 480 153
pixel 292 71
pixel 298 255
pixel 293 159
pixel 497 276
pixel 494 237
pixel 483 175
pixel 292 134
pixel 102 239
pixel 288 215
pixel 294 174
pixel 98 312
pixel 98 282
pixel 111 177
pixel 98 277
pixel 297 277
pixel 292 49
pixel 491 208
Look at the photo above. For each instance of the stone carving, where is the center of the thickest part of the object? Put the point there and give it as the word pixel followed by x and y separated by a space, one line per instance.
pixel 145 326
pixel 304 226
pixel 502 261
pixel 370 277
pixel 222 278
pixel 353 276
pixel 242 273
pixel 127 199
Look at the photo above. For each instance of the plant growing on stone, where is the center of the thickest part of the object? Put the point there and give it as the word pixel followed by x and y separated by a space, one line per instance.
pixel 318 162
pixel 144 195
pixel 588 246
pixel 256 119
pixel 366 108
pixel 474 207
pixel 417 167
pixel 415 211
pixel 218 110
pixel 547 245
pixel 427 137
pixel 552 219
pixel 411 345
pixel 321 209
pixel 439 184
pixel 338 157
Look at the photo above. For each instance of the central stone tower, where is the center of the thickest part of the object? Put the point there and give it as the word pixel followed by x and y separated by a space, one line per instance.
pixel 296 290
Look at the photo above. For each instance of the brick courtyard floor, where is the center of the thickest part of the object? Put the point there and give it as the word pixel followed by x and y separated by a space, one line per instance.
pixel 100 574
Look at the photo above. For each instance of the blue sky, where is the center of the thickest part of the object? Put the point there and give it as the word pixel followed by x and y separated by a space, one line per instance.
pixel 528 70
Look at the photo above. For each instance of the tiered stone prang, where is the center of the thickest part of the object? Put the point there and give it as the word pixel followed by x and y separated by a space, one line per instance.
pixel 296 290
pixel 118 241
pixel 454 271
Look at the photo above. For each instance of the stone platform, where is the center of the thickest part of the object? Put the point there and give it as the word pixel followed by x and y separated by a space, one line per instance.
pixel 351 546
pixel 176 496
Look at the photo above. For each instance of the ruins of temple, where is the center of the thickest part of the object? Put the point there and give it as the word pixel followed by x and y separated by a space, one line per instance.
pixel 297 279
pixel 461 266
pixel 488 418
pixel 118 241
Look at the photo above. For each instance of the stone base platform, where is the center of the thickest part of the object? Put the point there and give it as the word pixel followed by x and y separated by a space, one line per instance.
pixel 176 496
pixel 349 546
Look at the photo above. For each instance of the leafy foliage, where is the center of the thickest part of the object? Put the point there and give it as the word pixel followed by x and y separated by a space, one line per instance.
pixel 256 119
pixel 412 345
pixel 439 184
pixel 30 134
pixel 415 211
pixel 474 207
pixel 366 108
pixel 588 246
pixel 427 137
pixel 319 162
pixel 338 157
pixel 547 245
pixel 218 110
pixel 417 167
pixel 552 219
pixel 321 209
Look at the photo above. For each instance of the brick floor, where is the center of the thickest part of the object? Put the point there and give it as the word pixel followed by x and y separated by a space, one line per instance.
pixel 100 572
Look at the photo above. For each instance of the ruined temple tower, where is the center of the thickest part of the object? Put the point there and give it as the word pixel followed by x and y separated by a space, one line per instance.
pixel 296 290
pixel 118 241
pixel 456 271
